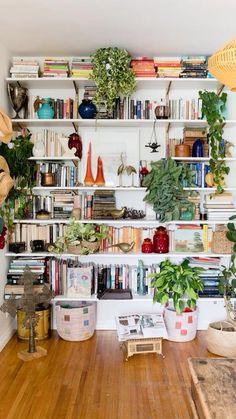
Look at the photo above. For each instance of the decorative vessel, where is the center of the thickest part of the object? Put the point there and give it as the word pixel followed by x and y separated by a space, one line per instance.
pixel 45 111
pixel 100 180
pixel 87 109
pixel 89 179
pixel 161 241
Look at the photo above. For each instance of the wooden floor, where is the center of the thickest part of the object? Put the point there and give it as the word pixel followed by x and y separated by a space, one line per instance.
pixel 90 380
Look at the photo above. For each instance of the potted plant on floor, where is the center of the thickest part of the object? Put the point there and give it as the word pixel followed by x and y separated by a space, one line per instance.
pixel 176 286
pixel 221 335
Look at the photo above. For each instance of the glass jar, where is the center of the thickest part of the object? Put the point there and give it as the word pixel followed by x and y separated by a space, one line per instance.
pixel 147 246
pixel 161 240
pixel 143 171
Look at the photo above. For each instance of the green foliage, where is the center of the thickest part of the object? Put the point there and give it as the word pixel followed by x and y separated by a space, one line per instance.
pixel 165 190
pixel 177 281
pixel 227 277
pixel 112 75
pixel 22 170
pixel 212 107
pixel 76 233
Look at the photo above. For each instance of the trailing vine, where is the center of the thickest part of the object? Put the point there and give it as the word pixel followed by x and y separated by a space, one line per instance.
pixel 213 106
pixel 112 75
pixel 22 170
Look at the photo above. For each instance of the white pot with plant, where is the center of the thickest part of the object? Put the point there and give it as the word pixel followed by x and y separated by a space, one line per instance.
pixel 176 286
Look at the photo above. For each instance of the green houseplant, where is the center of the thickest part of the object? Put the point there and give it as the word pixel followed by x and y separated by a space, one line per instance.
pixel 181 283
pixel 164 188
pixel 80 238
pixel 22 170
pixel 112 75
pixel 213 106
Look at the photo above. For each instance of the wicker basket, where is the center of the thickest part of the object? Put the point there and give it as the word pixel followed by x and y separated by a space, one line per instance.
pixel 220 243
pixel 91 247
pixel 76 321
pixel 222 65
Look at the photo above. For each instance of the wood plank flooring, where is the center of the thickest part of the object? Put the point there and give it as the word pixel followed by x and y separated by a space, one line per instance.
pixel 90 380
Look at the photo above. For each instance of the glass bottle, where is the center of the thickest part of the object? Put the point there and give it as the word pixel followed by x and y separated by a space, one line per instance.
pixel 161 240
pixel 143 171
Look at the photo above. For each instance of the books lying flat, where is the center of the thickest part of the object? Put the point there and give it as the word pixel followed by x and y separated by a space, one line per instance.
pixel 140 326
pixel 116 294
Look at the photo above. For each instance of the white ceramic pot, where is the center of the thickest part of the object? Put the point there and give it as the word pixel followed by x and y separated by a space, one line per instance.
pixel 181 327
pixel 221 342
pixel 38 149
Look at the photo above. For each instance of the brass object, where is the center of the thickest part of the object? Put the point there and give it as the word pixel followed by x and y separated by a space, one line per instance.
pixel 18 98
pixel 124 247
pixel 41 329
pixel 48 179
pixel 28 303
pixel 117 213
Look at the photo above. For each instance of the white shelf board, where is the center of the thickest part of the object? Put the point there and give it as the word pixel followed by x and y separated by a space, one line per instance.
pixel 89 188
pixel 146 297
pixel 207 189
pixel 127 222
pixel 102 255
pixel 201 159
pixel 61 158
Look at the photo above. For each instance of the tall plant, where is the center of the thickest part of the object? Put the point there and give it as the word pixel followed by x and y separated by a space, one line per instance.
pixel 213 106
pixel 112 75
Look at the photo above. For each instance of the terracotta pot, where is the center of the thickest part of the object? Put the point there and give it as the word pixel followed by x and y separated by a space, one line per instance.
pixel 182 150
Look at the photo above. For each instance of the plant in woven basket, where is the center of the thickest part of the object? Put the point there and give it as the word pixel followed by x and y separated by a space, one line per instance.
pixel 164 185
pixel 84 236
pixel 213 106
pixel 112 75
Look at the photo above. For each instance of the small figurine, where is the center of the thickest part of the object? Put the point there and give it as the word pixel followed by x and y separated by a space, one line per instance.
pixel 228 145
pixel 74 141
pixel 124 247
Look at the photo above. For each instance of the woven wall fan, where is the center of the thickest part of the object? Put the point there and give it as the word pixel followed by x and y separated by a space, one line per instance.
pixel 222 65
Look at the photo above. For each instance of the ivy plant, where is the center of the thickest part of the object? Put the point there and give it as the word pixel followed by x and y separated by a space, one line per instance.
pixel 213 106
pixel 22 170
pixel 164 185
pixel 112 75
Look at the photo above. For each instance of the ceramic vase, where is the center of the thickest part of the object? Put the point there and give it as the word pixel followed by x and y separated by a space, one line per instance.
pixel 89 179
pixel 45 111
pixel 100 180
pixel 38 149
pixel 87 109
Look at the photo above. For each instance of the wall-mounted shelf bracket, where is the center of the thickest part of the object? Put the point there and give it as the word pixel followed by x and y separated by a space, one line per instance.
pixel 75 87
pixel 76 127
pixel 168 128
pixel 220 89
pixel 168 88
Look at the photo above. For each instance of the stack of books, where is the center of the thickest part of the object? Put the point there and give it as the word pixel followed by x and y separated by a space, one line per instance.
pixel 104 201
pixel 55 67
pixel 143 67
pixel 219 207
pixel 81 67
pixel 63 204
pixel 89 92
pixel 210 275
pixel 168 66
pixel 14 283
pixel 194 67
pixel 190 134
pixel 24 68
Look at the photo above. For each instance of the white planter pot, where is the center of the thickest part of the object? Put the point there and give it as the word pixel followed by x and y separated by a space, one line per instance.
pixel 221 342
pixel 181 327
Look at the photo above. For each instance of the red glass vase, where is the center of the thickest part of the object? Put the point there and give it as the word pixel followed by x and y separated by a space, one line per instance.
pixel 147 246
pixel 161 240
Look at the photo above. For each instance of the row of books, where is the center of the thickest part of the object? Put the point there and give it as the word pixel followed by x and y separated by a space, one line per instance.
pixel 63 108
pixel 55 143
pixel 210 275
pixel 66 174
pixel 199 172
pixel 185 109
pixel 220 206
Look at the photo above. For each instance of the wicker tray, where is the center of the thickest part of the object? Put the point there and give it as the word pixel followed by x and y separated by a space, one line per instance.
pixel 220 243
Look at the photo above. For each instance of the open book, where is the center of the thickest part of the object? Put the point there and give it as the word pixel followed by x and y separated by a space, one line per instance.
pixel 140 326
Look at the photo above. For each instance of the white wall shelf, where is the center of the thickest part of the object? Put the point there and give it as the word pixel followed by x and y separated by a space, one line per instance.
pixel 199 159
pixel 121 255
pixel 89 188
pixel 52 158
pixel 129 222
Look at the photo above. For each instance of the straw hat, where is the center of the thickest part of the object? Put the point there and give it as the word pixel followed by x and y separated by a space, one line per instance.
pixel 5 128
pixel 6 182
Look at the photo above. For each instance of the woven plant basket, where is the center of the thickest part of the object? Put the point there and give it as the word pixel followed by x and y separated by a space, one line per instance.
pixel 220 243
pixel 92 247
pixel 219 341
pixel 77 321
pixel 222 65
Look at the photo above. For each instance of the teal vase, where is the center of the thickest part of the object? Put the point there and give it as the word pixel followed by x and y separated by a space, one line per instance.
pixel 45 111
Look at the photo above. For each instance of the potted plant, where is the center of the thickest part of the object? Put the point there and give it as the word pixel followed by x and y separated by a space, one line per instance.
pixel 112 75
pixel 80 238
pixel 221 335
pixel 213 106
pixel 181 283
pixel 22 170
pixel 164 185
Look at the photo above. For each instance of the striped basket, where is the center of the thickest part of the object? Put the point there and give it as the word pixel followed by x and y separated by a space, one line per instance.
pixel 76 321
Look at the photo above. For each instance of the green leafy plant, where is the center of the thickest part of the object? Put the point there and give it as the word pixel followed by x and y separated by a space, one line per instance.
pixel 178 281
pixel 112 75
pixel 213 106
pixel 78 233
pixel 22 170
pixel 165 191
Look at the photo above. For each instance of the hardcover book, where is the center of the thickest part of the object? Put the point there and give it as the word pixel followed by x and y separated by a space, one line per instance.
pixel 79 281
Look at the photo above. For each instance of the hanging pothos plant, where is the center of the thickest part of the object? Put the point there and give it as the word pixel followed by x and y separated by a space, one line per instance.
pixel 112 75
pixel 164 185
pixel 22 170
pixel 213 106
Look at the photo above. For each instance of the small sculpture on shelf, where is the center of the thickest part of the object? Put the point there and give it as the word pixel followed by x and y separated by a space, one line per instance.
pixel 28 302
pixel 153 144
pixel 228 145
pixel 89 179
pixel 100 180
pixel 130 170
pixel 124 247
pixel 118 213
pixel 74 141
pixel 18 98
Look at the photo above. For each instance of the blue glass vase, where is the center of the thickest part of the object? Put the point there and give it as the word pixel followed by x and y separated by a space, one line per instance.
pixel 87 109
pixel 197 150
pixel 45 111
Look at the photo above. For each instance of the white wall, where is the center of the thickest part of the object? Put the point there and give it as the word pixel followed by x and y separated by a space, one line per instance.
pixel 7 324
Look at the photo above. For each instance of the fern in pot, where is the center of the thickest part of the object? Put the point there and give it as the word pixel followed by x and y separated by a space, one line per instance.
pixel 176 286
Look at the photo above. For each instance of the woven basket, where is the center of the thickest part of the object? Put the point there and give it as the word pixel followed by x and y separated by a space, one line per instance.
pixel 220 243
pixel 92 247
pixel 222 65
pixel 76 322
